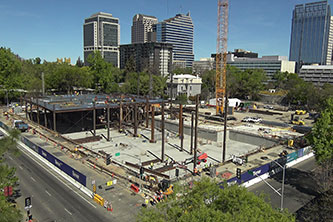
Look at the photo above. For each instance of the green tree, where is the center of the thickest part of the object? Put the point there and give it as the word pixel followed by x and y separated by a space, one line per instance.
pixel 247 83
pixel 10 73
pixel 65 77
pixel 321 136
pixel 178 70
pixel 208 84
pixel 105 75
pixel 206 201
pixel 8 178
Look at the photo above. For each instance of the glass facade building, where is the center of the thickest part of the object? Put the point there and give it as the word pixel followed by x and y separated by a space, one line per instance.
pixel 179 32
pixel 311 41
pixel 101 32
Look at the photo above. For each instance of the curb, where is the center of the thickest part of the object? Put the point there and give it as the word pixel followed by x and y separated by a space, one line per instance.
pixel 55 169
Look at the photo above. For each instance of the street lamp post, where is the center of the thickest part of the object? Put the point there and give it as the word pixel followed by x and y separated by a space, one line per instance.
pixel 282 186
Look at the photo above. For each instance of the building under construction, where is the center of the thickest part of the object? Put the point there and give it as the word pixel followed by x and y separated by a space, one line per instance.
pixel 88 112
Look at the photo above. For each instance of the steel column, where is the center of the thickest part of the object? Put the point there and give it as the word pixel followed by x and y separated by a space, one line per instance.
pixel 108 121
pixel 152 125
pixel 94 118
pixel 135 119
pixel 162 128
pixel 54 120
pixel 192 126
pixel 38 113
pixel 196 133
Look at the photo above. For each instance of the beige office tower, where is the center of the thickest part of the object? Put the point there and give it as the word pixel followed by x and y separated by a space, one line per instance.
pixel 142 28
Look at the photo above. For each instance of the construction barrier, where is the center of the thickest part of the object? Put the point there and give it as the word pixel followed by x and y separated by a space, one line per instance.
pixel 98 199
pixel 135 188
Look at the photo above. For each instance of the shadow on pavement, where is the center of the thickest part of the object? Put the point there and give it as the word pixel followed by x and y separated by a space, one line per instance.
pixel 302 181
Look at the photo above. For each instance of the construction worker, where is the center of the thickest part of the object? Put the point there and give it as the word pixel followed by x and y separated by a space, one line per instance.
pixel 151 165
pixel 195 171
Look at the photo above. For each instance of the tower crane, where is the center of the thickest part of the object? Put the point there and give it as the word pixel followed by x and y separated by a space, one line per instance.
pixel 221 54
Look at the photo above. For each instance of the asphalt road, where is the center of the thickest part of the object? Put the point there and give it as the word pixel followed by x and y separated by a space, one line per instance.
pixel 299 188
pixel 52 198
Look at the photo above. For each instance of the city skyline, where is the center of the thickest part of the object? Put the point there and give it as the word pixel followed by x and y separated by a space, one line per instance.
pixel 54 30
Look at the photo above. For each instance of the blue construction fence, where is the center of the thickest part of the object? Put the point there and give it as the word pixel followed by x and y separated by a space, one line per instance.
pixel 70 171
pixel 271 168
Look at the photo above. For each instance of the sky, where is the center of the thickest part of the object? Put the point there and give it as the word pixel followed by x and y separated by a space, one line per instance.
pixel 52 29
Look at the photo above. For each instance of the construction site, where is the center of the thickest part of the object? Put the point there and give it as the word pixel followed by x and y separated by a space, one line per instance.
pixel 143 144
pixel 145 141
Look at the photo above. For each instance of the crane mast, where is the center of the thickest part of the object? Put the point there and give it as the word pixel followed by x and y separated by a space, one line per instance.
pixel 221 54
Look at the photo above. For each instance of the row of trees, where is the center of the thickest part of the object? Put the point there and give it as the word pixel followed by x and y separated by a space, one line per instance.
pixel 206 201
pixel 16 73
pixel 248 84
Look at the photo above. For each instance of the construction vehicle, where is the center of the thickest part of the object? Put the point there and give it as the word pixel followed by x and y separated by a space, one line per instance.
pixel 20 125
pixel 297 121
pixel 166 187
pixel 300 112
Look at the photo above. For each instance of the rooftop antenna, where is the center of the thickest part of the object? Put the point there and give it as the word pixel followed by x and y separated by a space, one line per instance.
pixel 181 9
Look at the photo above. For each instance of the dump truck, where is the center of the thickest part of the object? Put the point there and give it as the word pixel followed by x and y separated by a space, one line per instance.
pixel 20 125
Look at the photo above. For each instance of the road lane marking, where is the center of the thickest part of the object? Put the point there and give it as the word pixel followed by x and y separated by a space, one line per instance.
pixel 48 193
pixel 55 175
pixel 68 211
pixel 33 179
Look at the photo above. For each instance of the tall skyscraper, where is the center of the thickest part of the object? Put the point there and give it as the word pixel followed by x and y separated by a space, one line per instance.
pixel 142 27
pixel 179 32
pixel 311 34
pixel 101 32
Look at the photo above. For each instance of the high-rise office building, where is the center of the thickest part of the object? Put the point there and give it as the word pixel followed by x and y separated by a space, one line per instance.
pixel 179 32
pixel 101 32
pixel 142 28
pixel 156 57
pixel 311 34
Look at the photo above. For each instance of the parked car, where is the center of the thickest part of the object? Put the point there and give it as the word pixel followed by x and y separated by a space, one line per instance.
pixel 252 120
pixel 268 107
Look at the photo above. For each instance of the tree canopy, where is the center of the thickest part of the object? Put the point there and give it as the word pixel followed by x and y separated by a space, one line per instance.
pixel 206 201
pixel 321 136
